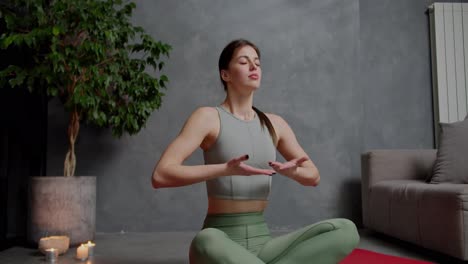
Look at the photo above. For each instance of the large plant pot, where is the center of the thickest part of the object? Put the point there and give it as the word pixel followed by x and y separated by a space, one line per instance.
pixel 62 206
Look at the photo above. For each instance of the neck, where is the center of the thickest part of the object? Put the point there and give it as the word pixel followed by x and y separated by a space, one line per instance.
pixel 240 106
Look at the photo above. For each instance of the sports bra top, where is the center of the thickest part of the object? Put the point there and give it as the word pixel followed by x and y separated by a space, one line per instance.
pixel 238 137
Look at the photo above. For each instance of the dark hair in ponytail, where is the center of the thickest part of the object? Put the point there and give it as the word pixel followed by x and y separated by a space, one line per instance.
pixel 223 64
pixel 265 121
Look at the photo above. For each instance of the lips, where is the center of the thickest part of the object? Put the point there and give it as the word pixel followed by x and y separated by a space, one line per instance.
pixel 253 76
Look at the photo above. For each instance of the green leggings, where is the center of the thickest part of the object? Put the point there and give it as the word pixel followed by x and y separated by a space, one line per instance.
pixel 245 238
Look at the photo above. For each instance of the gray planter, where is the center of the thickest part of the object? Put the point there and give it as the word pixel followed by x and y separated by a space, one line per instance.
pixel 62 206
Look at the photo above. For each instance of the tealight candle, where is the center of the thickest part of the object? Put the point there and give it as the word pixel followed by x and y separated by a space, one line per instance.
pixel 51 255
pixel 82 252
pixel 90 247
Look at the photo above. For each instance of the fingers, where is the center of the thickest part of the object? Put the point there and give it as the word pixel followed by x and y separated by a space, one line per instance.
pixel 246 169
pixel 252 170
pixel 282 166
pixel 275 165
pixel 238 160
pixel 265 172
pixel 289 164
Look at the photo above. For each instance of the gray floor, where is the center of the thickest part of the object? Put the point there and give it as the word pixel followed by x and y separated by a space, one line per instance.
pixel 172 248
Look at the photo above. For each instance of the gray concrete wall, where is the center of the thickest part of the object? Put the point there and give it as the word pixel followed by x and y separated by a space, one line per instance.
pixel 347 76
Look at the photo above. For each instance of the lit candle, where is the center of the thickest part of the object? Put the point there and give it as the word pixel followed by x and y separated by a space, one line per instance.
pixel 82 252
pixel 51 255
pixel 90 247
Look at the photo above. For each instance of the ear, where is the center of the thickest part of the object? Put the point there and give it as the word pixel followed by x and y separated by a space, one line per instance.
pixel 225 76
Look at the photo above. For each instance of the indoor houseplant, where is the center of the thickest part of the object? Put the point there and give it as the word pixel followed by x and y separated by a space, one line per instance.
pixel 89 55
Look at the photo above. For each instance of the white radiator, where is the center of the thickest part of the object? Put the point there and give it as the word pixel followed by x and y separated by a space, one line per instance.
pixel 449 54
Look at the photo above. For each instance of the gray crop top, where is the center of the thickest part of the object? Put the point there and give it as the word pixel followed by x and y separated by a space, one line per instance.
pixel 238 137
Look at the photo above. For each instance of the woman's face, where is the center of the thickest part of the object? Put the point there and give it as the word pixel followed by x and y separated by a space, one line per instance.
pixel 244 69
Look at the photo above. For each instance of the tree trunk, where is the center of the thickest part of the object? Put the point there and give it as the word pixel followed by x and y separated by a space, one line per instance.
pixel 73 129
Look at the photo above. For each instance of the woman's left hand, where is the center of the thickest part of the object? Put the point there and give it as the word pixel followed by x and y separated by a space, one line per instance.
pixel 287 168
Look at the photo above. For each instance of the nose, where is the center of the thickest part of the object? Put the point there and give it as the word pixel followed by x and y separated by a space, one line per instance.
pixel 253 66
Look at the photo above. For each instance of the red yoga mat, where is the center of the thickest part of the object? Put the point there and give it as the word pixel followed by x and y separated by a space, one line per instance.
pixel 362 256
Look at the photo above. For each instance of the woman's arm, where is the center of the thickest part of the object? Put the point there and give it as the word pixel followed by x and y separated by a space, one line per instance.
pixel 298 167
pixel 169 171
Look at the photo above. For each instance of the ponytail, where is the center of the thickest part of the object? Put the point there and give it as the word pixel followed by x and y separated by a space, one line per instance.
pixel 265 121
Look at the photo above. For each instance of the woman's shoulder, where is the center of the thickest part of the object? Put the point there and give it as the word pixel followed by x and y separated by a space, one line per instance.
pixel 202 119
pixel 275 119
pixel 206 110
pixel 204 113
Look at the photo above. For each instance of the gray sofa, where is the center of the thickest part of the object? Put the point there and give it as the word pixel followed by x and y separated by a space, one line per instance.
pixel 398 202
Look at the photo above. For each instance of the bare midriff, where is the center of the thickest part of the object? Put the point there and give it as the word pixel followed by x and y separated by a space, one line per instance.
pixel 224 206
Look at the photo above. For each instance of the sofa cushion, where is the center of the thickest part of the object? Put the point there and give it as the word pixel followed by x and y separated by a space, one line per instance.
pixel 451 165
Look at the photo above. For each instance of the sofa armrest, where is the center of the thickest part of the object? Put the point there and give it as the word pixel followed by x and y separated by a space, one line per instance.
pixel 396 164
pixel 392 164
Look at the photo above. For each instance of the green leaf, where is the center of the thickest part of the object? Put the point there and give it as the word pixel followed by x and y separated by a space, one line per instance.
pixel 90 55
pixel 56 31
pixel 164 78
pixel 7 41
pixel 161 65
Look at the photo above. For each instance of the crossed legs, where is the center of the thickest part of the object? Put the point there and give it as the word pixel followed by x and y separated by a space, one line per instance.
pixel 324 242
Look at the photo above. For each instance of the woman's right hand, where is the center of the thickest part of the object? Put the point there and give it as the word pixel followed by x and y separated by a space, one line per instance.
pixel 238 167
